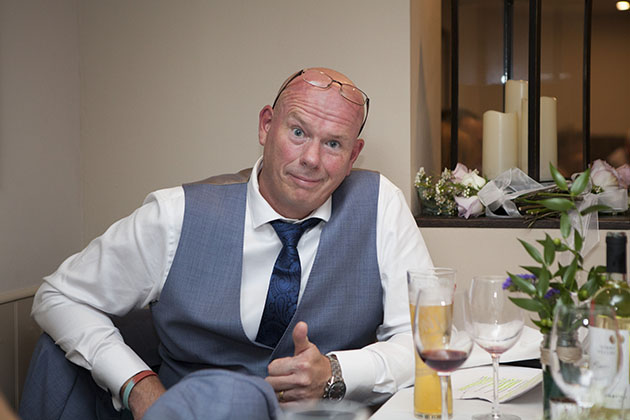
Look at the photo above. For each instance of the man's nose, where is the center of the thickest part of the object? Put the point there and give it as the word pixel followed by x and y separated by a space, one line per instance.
pixel 311 154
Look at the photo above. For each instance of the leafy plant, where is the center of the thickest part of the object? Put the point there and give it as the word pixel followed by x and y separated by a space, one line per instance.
pixel 550 281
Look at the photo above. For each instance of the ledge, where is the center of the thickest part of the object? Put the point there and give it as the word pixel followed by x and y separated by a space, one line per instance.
pixel 616 222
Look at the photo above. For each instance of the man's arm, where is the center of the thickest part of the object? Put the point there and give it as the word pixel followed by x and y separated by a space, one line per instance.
pixel 143 395
pixel 123 269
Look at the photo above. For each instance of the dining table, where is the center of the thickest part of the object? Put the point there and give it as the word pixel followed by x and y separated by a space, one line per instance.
pixel 528 405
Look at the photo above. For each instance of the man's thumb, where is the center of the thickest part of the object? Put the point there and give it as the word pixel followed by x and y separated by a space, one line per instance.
pixel 300 338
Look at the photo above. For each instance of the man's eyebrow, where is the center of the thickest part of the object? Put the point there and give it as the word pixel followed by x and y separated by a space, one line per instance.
pixel 303 123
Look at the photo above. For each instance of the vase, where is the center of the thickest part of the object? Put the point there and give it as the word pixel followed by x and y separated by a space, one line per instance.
pixel 555 403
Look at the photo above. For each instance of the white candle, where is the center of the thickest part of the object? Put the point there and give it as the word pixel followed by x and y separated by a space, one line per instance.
pixel 548 136
pixel 522 136
pixel 515 92
pixel 499 142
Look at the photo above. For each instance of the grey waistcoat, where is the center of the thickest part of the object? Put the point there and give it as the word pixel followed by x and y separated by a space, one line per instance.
pixel 197 316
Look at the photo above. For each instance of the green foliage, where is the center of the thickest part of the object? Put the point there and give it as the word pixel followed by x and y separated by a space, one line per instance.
pixel 546 285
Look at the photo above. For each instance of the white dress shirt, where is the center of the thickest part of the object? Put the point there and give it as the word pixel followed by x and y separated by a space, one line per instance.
pixel 127 267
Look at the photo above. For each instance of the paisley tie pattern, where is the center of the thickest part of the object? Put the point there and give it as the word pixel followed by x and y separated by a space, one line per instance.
pixel 284 286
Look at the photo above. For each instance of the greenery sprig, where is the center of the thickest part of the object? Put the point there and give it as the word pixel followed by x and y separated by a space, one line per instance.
pixel 548 283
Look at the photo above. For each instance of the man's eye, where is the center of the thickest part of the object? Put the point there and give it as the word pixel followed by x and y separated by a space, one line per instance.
pixel 297 132
pixel 334 144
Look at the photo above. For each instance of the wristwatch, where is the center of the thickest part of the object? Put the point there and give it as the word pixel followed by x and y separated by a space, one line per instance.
pixel 335 388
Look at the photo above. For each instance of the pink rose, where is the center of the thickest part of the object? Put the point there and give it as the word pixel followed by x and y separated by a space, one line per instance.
pixel 623 172
pixel 460 172
pixel 469 206
pixel 603 175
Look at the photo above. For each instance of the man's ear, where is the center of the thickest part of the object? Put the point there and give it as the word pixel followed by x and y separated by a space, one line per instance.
pixel 356 150
pixel 264 123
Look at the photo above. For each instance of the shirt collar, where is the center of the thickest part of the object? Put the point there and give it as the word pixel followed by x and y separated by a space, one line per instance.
pixel 261 211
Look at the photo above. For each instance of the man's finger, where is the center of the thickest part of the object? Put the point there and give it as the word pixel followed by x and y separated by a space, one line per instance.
pixel 300 338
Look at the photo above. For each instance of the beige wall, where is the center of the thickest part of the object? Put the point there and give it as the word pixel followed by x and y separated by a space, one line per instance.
pixel 491 251
pixel 170 91
pixel 40 206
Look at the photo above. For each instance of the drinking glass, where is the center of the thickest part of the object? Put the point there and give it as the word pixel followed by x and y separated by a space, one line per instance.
pixel 585 352
pixel 440 332
pixel 427 403
pixel 496 324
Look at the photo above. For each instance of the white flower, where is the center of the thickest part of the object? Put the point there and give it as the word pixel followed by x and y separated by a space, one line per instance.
pixel 472 179
pixel 460 172
pixel 603 175
pixel 469 206
pixel 624 175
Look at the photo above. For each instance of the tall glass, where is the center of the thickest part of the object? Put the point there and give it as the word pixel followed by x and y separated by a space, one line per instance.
pixel 440 330
pixel 496 325
pixel 426 396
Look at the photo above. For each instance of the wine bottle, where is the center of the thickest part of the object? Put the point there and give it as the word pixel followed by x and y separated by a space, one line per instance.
pixel 616 293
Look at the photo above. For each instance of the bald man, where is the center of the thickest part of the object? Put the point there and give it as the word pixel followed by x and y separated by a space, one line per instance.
pixel 269 287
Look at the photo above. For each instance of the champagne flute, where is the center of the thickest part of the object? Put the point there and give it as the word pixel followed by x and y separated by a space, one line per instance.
pixel 585 352
pixel 440 332
pixel 496 325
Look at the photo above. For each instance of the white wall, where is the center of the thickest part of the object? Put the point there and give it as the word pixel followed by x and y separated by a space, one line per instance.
pixel 171 90
pixel 474 252
pixel 40 208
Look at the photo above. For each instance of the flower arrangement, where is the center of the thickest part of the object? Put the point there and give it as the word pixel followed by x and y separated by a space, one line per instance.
pixel 454 192
pixel 547 283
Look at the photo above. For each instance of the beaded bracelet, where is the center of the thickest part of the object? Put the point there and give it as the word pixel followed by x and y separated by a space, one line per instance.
pixel 135 379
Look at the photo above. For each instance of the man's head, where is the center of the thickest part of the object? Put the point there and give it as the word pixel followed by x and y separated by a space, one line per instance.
pixel 310 140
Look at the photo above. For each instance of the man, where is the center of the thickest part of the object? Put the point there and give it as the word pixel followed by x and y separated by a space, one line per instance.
pixel 207 258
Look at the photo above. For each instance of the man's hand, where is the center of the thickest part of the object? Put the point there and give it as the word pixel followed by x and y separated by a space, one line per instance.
pixel 303 376
pixel 144 394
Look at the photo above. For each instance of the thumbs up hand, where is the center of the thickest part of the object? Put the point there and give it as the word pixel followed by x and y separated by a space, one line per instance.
pixel 303 376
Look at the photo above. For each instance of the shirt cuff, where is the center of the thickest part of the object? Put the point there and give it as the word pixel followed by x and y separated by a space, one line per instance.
pixel 358 369
pixel 113 367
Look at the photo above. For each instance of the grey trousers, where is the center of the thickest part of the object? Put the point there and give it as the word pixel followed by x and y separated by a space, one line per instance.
pixel 56 389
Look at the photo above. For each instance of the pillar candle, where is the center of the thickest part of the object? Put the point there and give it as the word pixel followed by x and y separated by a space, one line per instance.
pixel 523 136
pixel 515 92
pixel 499 142
pixel 548 136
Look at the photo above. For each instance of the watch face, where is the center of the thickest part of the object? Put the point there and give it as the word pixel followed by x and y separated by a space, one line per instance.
pixel 337 391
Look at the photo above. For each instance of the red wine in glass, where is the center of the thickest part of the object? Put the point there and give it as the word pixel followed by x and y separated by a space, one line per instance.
pixel 443 360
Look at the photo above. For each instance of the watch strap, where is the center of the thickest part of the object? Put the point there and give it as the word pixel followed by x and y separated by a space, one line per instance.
pixel 335 388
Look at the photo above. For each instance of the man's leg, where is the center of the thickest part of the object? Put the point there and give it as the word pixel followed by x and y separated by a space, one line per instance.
pixel 57 389
pixel 219 395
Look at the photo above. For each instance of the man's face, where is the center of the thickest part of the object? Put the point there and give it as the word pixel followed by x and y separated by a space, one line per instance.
pixel 310 146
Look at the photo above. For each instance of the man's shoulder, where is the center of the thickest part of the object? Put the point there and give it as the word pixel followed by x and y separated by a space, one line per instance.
pixel 240 177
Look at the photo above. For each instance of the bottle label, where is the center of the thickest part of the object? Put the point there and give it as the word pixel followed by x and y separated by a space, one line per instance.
pixel 604 354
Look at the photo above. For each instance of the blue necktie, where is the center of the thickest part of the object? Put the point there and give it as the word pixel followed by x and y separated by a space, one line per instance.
pixel 284 286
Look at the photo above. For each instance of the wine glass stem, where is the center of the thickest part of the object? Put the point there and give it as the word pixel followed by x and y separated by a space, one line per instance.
pixel 444 390
pixel 495 386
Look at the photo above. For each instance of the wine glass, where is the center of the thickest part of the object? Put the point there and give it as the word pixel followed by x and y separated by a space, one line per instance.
pixel 440 334
pixel 496 324
pixel 586 352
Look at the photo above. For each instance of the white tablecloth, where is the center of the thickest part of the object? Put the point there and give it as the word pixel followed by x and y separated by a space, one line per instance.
pixel 400 407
